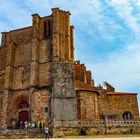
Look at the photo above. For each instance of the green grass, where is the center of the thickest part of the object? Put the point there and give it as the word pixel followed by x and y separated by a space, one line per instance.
pixel 104 136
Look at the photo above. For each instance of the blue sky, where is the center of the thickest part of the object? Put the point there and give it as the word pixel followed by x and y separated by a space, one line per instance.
pixel 107 34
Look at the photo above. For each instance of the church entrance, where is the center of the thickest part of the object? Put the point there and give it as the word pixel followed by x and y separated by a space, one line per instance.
pixel 23 117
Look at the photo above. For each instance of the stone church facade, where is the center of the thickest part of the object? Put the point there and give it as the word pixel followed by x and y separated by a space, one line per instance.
pixel 40 81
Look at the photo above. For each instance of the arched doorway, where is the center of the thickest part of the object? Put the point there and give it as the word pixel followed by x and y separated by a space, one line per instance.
pixel 127 116
pixel 23 112
pixel 23 116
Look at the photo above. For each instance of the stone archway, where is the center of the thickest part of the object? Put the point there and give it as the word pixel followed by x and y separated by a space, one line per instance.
pixel 23 115
pixel 21 110
pixel 127 116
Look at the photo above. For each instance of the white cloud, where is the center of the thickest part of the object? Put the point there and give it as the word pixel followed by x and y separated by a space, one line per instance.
pixel 122 69
pixel 125 10
pixel 89 17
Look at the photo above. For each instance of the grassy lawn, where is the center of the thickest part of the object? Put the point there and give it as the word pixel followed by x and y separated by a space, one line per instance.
pixel 104 136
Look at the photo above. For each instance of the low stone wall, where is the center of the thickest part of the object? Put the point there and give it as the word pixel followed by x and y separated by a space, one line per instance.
pixel 21 134
pixel 69 128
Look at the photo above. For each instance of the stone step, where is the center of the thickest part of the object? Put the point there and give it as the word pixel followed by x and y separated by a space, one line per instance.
pixel 20 133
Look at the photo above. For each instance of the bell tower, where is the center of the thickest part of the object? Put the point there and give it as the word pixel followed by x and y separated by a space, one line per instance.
pixel 63 101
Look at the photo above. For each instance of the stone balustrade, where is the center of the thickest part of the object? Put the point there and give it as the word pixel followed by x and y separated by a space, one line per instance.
pixel 108 123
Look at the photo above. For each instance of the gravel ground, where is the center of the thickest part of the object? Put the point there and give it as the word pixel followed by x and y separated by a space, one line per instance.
pixel 120 138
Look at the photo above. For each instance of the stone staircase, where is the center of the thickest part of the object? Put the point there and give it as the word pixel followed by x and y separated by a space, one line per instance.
pixel 21 133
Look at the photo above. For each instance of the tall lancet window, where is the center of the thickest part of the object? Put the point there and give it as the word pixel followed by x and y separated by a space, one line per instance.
pixel 47 29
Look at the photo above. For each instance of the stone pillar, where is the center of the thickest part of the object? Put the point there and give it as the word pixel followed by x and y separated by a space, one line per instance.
pixel 56 37
pixel 63 105
pixel 67 36
pixel 8 77
pixel 61 35
pixel 8 80
pixel 9 65
pixel 72 43
pixel 64 35
pixel 11 54
pixel 30 104
pixel 63 101
pixel 34 71
pixel 36 25
pixel 4 37
pixel 4 119
pixel 60 32
pixel 89 77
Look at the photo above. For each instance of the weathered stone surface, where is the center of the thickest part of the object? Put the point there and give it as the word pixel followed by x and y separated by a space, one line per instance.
pixel 3 56
pixel 45 74
pixel 14 134
pixel 87 105
pixel 40 101
pixel 45 51
pixel 22 55
pixel 63 94
pixel 119 104
pixel 39 81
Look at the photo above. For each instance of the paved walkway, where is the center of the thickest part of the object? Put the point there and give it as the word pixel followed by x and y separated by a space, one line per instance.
pixel 120 138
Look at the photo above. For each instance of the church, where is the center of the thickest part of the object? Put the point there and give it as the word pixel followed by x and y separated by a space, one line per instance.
pixel 41 81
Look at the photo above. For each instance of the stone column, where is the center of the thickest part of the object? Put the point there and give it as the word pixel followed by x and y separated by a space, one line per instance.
pixel 4 119
pixel 72 43
pixel 63 35
pixel 36 25
pixel 67 45
pixel 55 33
pixel 9 65
pixel 34 72
pixel 30 104
pixel 4 37
pixel 8 81
pixel 34 66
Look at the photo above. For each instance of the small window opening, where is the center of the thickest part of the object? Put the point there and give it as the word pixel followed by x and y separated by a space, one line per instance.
pixel 47 28
pixel 127 116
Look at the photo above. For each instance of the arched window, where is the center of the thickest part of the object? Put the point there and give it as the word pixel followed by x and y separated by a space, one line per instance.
pixel 127 116
pixel 47 29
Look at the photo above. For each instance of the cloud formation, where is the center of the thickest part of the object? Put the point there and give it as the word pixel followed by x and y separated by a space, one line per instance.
pixel 107 34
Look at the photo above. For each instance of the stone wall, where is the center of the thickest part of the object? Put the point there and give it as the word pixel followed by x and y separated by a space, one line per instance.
pixel 21 77
pixel 3 56
pixel 15 98
pixel 63 100
pixel 1 104
pixel 2 77
pixel 87 105
pixel 22 55
pixel 40 101
pixel 45 78
pixel 80 72
pixel 21 133
pixel 45 51
pixel 21 36
pixel 123 103
pixel 69 128
pixel 89 77
pixel 115 105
